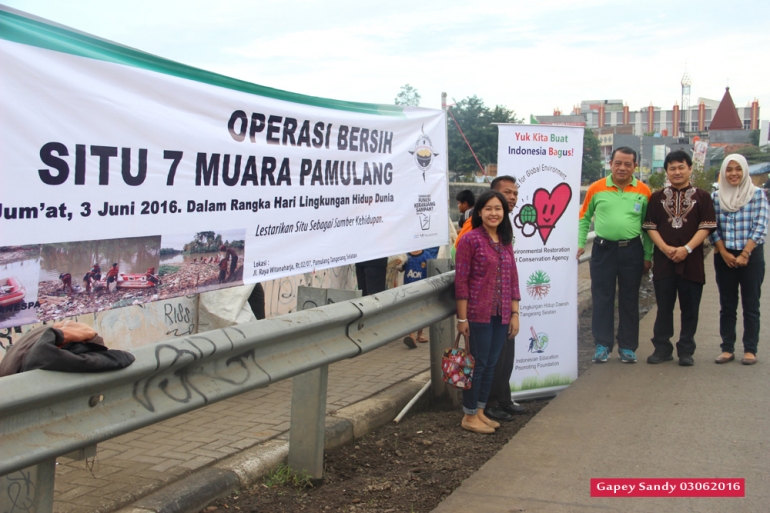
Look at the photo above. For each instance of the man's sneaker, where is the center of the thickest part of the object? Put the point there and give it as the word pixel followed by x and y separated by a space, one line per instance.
pixel 656 358
pixel 627 356
pixel 601 355
pixel 685 360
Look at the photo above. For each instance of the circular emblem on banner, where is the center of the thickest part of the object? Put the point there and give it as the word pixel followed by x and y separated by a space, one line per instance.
pixel 423 152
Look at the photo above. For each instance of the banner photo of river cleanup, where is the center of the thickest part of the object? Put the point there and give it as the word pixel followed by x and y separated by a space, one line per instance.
pixel 19 270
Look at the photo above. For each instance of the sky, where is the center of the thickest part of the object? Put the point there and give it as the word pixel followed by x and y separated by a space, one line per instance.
pixel 529 56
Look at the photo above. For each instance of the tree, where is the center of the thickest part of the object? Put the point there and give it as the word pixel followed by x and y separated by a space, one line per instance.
pixel 593 165
pixel 656 180
pixel 408 96
pixel 476 120
pixel 701 179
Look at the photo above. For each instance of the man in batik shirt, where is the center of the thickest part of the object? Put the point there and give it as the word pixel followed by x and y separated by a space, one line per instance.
pixel 679 218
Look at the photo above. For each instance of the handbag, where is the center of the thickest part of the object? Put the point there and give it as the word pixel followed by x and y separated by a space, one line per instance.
pixel 457 366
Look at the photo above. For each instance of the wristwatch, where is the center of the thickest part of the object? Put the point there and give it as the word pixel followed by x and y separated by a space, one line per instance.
pixel 688 248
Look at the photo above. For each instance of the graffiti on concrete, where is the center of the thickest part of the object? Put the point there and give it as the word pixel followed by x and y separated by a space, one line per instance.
pixel 18 492
pixel 179 319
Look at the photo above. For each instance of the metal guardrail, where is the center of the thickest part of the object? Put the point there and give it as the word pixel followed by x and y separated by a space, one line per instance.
pixel 46 414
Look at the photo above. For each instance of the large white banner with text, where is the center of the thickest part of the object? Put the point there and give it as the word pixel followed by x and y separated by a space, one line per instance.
pixel 546 162
pixel 190 181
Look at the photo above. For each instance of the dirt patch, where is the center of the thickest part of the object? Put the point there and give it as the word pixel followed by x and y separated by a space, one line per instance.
pixel 409 467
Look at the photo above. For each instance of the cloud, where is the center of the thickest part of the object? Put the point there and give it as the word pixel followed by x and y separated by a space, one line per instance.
pixel 528 56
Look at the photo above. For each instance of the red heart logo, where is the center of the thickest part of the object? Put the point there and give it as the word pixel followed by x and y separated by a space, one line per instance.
pixel 550 206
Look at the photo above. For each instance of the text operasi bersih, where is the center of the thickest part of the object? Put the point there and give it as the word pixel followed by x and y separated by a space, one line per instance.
pixel 367 167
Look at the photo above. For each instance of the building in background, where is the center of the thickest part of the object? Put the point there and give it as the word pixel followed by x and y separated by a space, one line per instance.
pixel 654 132
pixel 652 120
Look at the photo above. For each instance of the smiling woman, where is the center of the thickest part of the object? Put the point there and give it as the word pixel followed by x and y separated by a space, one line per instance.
pixel 742 219
pixel 487 292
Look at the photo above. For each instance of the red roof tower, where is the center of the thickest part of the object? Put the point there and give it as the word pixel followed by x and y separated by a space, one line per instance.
pixel 726 116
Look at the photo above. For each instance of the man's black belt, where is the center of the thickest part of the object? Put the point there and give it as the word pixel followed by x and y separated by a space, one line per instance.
pixel 620 243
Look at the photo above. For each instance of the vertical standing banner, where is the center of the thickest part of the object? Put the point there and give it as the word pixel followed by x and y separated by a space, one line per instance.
pixel 546 162
pixel 127 178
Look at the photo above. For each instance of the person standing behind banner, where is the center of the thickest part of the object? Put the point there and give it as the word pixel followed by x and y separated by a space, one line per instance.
pixel 371 275
pixel 679 218
pixel 465 201
pixel 742 218
pixel 487 293
pixel 619 256
pixel 415 269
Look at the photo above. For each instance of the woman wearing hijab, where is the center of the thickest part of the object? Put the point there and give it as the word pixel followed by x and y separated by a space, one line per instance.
pixel 487 293
pixel 742 218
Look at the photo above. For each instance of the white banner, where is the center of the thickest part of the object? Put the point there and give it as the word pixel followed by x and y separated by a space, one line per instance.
pixel 188 180
pixel 546 162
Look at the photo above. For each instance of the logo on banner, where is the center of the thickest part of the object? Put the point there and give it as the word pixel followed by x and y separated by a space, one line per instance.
pixel 423 153
pixel 538 285
pixel 545 210
pixel 538 341
pixel 424 206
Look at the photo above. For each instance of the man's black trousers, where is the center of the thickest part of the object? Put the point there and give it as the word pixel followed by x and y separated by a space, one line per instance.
pixel 622 265
pixel 501 385
pixel 666 292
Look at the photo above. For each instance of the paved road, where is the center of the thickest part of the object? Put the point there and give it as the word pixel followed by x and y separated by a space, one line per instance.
pixel 135 464
pixel 620 420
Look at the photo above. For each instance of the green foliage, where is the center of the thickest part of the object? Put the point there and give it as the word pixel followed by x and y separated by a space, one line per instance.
pixel 408 96
pixel 755 137
pixel 593 165
pixel 702 179
pixel 656 180
pixel 164 269
pixel 476 120
pixel 284 476
pixel 209 242
pixel 699 178
pixel 713 173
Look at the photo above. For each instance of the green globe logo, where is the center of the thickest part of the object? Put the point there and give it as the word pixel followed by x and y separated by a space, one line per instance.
pixel 528 214
pixel 526 220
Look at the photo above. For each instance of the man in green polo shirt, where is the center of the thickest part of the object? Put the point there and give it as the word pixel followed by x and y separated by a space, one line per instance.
pixel 621 254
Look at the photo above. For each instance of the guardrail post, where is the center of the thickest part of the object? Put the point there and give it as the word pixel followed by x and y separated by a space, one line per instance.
pixel 31 490
pixel 308 396
pixel 442 336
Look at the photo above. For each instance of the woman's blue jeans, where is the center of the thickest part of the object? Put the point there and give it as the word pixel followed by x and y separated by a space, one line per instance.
pixel 486 342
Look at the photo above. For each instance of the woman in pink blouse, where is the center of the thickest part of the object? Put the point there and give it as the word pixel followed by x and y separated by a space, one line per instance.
pixel 487 293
